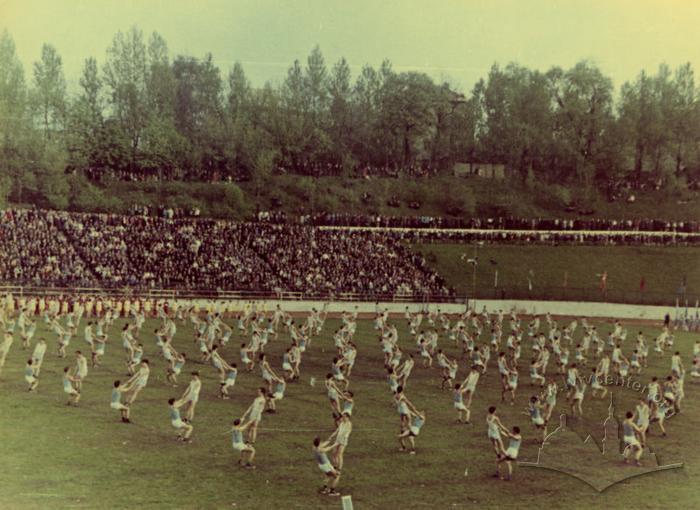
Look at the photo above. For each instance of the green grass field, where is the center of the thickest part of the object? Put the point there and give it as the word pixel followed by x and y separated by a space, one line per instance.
pixel 662 268
pixel 54 456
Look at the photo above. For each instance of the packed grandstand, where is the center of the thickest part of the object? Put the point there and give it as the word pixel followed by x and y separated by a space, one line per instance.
pixel 100 250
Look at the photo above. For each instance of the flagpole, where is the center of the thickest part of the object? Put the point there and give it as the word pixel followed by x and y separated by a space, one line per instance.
pixel 474 277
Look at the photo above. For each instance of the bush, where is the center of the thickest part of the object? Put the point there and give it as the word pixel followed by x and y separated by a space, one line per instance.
pixel 459 202
pixel 551 196
pixel 5 186
pixel 84 196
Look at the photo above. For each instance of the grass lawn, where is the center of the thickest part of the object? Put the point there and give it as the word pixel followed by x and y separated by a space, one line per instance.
pixel 662 268
pixel 54 456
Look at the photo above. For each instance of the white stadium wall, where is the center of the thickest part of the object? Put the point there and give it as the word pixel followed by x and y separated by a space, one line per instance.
pixel 581 309
pixel 563 308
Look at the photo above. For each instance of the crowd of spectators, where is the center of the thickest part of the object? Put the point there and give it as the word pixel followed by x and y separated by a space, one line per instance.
pixel 165 212
pixel 156 252
pixel 499 223
pixel 160 174
pixel 360 171
pixel 314 169
pixel 138 251
pixel 335 262
pixel 549 238
pixel 34 250
pixel 165 251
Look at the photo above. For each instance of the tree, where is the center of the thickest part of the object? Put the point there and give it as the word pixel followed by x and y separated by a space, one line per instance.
pixel 199 114
pixel 162 144
pixel 239 92
pixel 340 110
pixel 658 117
pixel 406 113
pixel 583 112
pixel 365 116
pixel 639 116
pixel 684 132
pixel 296 129
pixel 15 125
pixel 241 133
pixel 49 94
pixel 160 80
pixel 125 73
pixel 315 85
pixel 85 131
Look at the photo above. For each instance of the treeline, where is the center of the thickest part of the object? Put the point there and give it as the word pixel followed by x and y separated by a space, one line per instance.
pixel 140 112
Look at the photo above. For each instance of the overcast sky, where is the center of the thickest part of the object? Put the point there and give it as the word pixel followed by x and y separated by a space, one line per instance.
pixel 456 40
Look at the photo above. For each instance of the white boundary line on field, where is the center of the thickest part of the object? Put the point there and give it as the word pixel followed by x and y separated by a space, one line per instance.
pixel 42 494
pixel 272 429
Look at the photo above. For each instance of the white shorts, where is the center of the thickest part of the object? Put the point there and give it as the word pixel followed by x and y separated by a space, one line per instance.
pixel 30 379
pixel 178 424
pixel 118 406
pixel 278 395
pixel 631 441
pixel 512 453
pixel 239 447
pixel 538 421
pixel 286 366
pixel 327 468
pixel 71 391
pixel 460 406
pixel 414 430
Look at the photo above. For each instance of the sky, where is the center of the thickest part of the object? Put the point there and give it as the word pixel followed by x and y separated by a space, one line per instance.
pixel 452 40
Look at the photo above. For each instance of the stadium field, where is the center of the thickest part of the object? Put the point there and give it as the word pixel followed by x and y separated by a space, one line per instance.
pixel 569 272
pixel 55 456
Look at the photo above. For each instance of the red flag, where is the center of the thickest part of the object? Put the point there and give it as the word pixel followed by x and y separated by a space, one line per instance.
pixel 604 281
pixel 642 285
